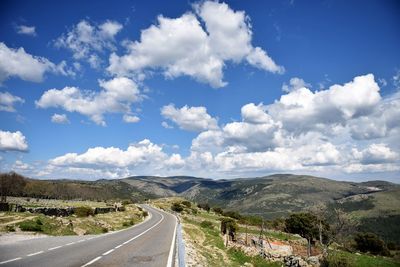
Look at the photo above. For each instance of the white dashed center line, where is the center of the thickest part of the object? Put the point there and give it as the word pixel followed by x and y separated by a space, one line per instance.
pixel 36 253
pixel 54 248
pixel 4 262
pixel 92 261
pixel 108 252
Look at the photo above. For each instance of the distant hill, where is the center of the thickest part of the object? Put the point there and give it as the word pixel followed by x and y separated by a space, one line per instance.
pixel 375 203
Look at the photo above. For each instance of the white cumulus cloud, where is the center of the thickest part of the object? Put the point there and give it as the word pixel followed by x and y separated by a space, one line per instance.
pixel 116 97
pixel 18 63
pixel 190 118
pixel 7 101
pixel 182 46
pixel 60 118
pixel 12 141
pixel 130 118
pixel 26 30
pixel 86 40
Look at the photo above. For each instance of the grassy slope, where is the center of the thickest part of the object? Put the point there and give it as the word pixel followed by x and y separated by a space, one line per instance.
pixel 209 243
pixel 72 225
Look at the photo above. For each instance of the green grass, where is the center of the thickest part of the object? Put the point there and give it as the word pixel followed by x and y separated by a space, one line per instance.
pixel 364 260
pixel 272 234
pixel 239 257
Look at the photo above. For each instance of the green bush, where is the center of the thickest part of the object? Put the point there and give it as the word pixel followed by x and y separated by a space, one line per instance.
pixel 176 207
pixel 39 222
pixel 128 223
pixel 204 206
pixel 369 242
pixel 30 225
pixel 233 214
pixel 83 211
pixel 10 228
pixel 218 210
pixel 104 229
pixel 145 213
pixel 337 260
pixel 187 203
pixel 207 224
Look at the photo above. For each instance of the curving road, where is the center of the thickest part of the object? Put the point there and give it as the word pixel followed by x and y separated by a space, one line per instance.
pixel 150 243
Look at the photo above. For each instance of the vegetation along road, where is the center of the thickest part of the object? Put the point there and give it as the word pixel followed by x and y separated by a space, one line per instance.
pixel 147 244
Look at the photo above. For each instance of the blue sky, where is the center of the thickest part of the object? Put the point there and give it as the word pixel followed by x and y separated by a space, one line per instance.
pixel 210 89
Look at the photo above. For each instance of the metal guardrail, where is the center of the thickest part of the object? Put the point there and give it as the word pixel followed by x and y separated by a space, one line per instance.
pixel 180 246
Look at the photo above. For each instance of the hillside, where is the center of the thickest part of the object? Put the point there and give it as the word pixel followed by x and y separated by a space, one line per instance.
pixel 375 204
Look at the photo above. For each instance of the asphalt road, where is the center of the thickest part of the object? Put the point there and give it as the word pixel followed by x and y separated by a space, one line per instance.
pixel 150 243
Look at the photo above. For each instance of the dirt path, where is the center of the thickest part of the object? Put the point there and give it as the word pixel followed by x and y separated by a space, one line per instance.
pixel 17 221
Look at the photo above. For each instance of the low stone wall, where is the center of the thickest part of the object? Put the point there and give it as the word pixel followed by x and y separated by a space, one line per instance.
pixel 59 212
pixel 104 210
pixel 51 211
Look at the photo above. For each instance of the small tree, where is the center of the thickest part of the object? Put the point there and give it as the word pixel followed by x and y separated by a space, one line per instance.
pixel 304 224
pixel 11 184
pixel 218 210
pixel 187 203
pixel 204 206
pixel 176 207
pixel 229 226
pixel 369 242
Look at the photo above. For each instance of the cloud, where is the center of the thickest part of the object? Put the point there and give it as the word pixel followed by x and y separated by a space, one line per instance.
pixel 60 118
pixel 166 125
pixel 26 30
pixel 12 141
pixel 130 119
pixel 86 40
pixel 143 156
pixel 7 101
pixel 376 154
pixel 294 84
pixel 18 63
pixel 302 110
pixel 255 114
pixel 116 97
pixel 190 118
pixel 382 122
pixel 183 47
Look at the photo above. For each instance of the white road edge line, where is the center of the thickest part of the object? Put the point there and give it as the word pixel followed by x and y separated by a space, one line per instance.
pixel 36 253
pixel 117 247
pixel 92 261
pixel 108 252
pixel 4 262
pixel 53 248
pixel 171 250
pixel 126 242
pixel 70 243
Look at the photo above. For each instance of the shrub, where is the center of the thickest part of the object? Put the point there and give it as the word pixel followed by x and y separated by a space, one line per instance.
pixel 83 211
pixel 30 225
pixel 128 223
pixel 391 246
pixel 10 228
pixel 207 224
pixel 104 229
pixel 145 213
pixel 204 206
pixel 187 203
pixel 39 222
pixel 233 214
pixel 218 210
pixel 369 242
pixel 336 260
pixel 126 202
pixel 176 207
pixel 194 211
